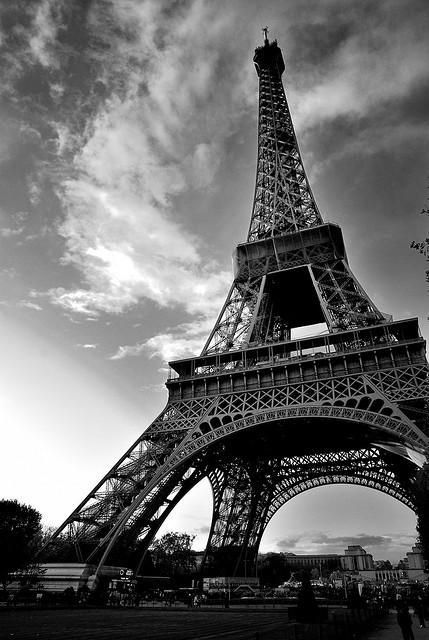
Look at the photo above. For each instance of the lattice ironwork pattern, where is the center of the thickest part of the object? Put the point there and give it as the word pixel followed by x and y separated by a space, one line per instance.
pixel 284 207
pixel 283 200
pixel 263 415
pixel 244 507
pixel 346 303
pixel 232 328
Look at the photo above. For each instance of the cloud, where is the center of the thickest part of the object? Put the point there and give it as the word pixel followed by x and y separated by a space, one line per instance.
pixel 154 137
pixel 150 140
pixel 44 32
pixel 29 37
pixel 138 104
pixel 34 189
pixel 157 388
pixel 360 539
pixel 374 138
pixel 81 301
pixel 184 340
pixel 367 67
pixel 29 305
pixel 202 530
pixel 288 543
pixel 87 346
pixel 321 539
pixel 204 163
pixel 16 223
pixel 319 542
pixel 358 80
pixel 8 233
pixel 126 351
pixel 9 272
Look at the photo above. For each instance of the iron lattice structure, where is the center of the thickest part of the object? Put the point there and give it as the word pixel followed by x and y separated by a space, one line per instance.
pixel 265 416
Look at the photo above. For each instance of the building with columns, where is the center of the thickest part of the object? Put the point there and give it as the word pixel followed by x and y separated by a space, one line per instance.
pixel 355 558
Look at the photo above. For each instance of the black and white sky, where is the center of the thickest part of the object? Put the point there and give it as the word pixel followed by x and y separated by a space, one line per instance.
pixel 128 134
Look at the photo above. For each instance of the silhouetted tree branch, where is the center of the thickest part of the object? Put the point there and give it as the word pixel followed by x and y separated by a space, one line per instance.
pixel 423 246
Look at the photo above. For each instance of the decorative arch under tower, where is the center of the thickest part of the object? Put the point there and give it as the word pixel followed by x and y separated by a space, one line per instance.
pixel 262 414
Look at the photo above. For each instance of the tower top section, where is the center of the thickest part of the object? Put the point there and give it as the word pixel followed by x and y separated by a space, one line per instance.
pixel 269 56
pixel 283 201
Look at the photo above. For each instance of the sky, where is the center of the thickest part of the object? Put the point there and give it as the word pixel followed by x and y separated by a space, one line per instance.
pixel 128 133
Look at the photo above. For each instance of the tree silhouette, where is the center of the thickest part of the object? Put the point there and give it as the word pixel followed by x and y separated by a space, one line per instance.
pixel 422 508
pixel 172 554
pixel 272 569
pixel 20 532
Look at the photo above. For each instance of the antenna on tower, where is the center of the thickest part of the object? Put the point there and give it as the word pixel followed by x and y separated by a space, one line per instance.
pixel 265 32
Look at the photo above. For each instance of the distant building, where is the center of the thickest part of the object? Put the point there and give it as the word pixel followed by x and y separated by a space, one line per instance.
pixel 386 575
pixel 360 564
pixel 411 568
pixel 355 558
pixel 415 559
pixel 325 563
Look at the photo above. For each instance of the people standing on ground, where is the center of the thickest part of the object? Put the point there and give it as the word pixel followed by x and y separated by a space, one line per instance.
pixel 405 622
pixel 419 610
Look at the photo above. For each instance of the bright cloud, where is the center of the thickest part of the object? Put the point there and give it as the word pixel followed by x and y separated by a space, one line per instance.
pixel 7 232
pixel 367 71
pixel 150 119
pixel 43 34
pixel 148 142
pixel 29 305
pixel 129 250
pixel 182 341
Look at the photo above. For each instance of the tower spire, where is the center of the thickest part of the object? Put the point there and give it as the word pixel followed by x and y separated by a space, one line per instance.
pixel 265 32
pixel 292 271
pixel 283 201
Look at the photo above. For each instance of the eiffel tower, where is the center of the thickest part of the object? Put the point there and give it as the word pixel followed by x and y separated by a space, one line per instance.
pixel 262 413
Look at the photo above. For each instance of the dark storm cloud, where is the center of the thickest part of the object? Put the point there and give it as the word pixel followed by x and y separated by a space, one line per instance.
pixel 393 546
pixel 323 540
pixel 318 34
pixel 42 53
pixel 289 542
pixel 319 542
pixel 357 66
pixel 361 539
pixel 57 62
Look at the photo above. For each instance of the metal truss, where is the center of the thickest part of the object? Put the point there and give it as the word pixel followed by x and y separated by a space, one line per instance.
pixel 264 416
pixel 246 497
pixel 283 201
pixel 283 206
pixel 345 303
pixel 178 450
pixel 251 316
pixel 232 327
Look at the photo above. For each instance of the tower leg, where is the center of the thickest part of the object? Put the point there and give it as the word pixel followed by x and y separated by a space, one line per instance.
pixel 242 492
